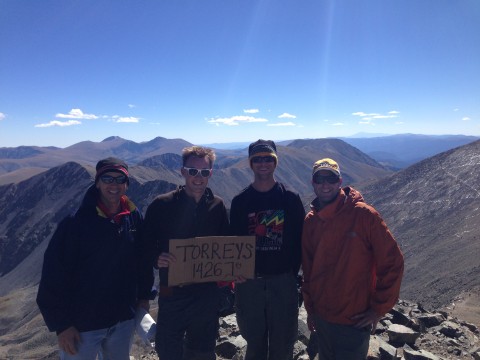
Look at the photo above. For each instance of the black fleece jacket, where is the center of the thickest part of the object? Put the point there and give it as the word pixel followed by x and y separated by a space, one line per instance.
pixel 89 276
pixel 175 215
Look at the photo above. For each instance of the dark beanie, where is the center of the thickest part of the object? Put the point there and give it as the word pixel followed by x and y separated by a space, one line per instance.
pixel 111 164
pixel 262 148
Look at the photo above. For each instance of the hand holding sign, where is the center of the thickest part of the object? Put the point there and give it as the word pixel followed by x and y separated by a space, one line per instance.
pixel 210 259
pixel 165 259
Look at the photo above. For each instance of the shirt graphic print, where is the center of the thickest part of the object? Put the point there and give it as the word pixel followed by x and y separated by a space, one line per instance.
pixel 267 226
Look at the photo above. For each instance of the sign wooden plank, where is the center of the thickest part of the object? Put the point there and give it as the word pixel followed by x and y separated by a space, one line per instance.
pixel 212 258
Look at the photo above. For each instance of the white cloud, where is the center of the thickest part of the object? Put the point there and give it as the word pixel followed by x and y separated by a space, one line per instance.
pixel 59 123
pixel 466 118
pixel 338 124
pixel 456 109
pixel 365 116
pixel 362 114
pixel 125 119
pixel 287 116
pixel 236 120
pixel 384 116
pixel 251 111
pixel 76 114
pixel 131 106
pixel 2 116
pixel 399 123
pixel 368 119
pixel 282 124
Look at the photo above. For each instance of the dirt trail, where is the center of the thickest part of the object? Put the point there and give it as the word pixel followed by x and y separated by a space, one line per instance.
pixel 467 307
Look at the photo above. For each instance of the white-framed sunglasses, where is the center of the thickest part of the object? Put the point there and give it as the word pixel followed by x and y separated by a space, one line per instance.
pixel 194 171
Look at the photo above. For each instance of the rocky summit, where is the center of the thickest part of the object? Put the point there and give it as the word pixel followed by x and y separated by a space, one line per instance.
pixel 407 332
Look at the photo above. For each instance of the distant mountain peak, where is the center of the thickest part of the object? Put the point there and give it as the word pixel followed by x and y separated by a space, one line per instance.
pixel 111 138
pixel 158 138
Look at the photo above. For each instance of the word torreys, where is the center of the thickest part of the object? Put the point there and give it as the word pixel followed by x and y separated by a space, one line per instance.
pixel 213 258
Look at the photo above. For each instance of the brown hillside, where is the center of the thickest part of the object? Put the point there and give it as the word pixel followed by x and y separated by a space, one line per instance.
pixel 433 209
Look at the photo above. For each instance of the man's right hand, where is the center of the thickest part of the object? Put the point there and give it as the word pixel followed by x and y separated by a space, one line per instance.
pixel 165 259
pixel 68 339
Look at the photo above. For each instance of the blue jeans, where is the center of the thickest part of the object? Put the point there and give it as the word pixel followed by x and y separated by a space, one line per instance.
pixel 112 343
pixel 187 324
pixel 341 342
pixel 267 316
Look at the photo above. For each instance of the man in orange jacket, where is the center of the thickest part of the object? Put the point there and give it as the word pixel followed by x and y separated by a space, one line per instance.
pixel 351 263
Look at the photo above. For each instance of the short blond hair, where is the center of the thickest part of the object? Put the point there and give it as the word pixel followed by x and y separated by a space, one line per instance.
pixel 200 152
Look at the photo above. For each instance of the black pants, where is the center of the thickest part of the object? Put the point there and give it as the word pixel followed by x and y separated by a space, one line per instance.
pixel 187 324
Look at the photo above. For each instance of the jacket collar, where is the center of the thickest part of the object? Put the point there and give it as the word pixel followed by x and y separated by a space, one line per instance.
pixel 206 197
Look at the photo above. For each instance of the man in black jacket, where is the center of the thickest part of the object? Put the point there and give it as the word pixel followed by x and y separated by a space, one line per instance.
pixel 267 306
pixel 88 290
pixel 187 322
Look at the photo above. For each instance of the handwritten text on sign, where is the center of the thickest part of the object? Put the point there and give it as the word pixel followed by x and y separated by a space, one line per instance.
pixel 213 258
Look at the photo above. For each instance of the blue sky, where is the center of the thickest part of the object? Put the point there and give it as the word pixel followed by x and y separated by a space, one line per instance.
pixel 211 71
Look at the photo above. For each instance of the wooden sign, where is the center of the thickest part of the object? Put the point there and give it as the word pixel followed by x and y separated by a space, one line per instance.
pixel 212 258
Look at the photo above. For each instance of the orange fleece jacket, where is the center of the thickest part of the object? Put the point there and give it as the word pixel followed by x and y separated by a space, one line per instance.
pixel 350 260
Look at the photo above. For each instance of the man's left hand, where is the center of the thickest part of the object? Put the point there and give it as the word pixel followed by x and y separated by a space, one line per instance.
pixel 367 318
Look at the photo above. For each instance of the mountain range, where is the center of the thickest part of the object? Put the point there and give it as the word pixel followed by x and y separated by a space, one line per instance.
pixel 402 150
pixel 394 152
pixel 432 208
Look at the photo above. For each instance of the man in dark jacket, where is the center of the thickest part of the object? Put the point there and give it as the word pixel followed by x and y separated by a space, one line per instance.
pixel 88 289
pixel 187 322
pixel 267 306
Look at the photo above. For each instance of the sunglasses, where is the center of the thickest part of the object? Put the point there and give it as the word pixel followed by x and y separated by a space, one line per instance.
pixel 194 172
pixel 108 179
pixel 331 179
pixel 262 159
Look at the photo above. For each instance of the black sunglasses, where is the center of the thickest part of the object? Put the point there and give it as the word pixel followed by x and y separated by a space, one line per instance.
pixel 194 171
pixel 331 179
pixel 262 159
pixel 108 179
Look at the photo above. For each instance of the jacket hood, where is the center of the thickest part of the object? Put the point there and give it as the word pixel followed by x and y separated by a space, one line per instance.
pixel 89 201
pixel 353 195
